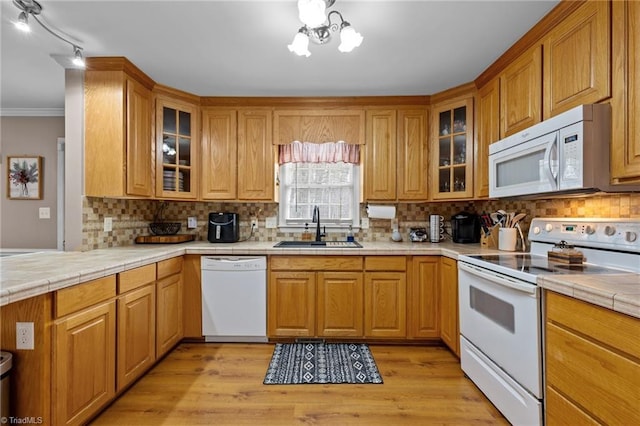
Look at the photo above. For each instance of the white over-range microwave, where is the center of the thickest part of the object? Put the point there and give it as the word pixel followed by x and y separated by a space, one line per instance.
pixel 568 153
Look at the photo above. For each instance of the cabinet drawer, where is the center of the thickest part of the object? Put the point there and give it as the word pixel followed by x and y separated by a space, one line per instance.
pixel 385 263
pixel 603 325
pixel 316 263
pixel 134 278
pixel 169 267
pixel 81 296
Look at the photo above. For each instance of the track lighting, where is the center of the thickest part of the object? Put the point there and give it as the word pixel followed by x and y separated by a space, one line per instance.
pixel 33 8
pixel 318 27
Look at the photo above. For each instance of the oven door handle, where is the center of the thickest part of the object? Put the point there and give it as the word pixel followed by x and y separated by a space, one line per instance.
pixel 498 279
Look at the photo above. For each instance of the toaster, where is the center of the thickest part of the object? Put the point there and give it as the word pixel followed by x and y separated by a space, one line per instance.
pixel 418 234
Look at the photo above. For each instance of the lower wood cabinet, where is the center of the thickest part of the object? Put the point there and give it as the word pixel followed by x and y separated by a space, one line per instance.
pixel 339 304
pixel 136 307
pixel 385 296
pixel 449 315
pixel 169 325
pixel 315 296
pixel 592 359
pixel 84 351
pixel 423 291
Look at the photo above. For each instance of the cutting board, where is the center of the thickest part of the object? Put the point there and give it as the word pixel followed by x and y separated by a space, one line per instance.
pixel 164 239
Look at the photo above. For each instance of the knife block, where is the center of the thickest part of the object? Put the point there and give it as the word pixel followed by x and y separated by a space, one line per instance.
pixel 490 240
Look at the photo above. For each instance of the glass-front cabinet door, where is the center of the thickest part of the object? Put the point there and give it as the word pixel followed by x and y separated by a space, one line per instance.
pixel 176 159
pixel 452 150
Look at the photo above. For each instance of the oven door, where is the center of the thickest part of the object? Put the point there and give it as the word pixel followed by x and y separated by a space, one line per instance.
pixel 500 315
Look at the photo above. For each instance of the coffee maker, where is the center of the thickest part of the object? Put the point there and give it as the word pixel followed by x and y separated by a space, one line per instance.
pixel 465 228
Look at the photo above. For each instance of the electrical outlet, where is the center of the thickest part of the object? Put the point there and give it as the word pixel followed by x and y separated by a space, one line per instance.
pixel 271 222
pixel 364 223
pixel 192 222
pixel 254 224
pixel 108 224
pixel 44 213
pixel 24 335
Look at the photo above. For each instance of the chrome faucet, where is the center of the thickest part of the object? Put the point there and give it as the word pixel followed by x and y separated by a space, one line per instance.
pixel 316 219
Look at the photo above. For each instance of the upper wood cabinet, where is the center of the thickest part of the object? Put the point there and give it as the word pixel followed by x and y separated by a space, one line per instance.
pixel 487 132
pixel 396 154
pixel 256 156
pixel 521 92
pixel 219 154
pixel 380 155
pixel 577 59
pixel 177 149
pixel 318 126
pixel 117 122
pixel 452 150
pixel 625 104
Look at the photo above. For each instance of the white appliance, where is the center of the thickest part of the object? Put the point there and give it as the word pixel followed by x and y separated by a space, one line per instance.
pixel 234 298
pixel 501 343
pixel 567 153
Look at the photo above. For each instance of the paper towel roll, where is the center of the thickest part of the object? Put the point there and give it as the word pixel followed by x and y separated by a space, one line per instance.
pixel 381 212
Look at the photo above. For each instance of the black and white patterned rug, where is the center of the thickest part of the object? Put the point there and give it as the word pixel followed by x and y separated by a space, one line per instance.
pixel 319 362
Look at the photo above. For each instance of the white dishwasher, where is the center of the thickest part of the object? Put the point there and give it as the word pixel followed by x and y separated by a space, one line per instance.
pixel 234 298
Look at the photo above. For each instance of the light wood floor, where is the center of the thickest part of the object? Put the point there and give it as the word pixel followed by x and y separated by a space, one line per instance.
pixel 221 384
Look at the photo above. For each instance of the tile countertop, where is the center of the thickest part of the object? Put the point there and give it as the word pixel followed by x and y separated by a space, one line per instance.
pixel 39 273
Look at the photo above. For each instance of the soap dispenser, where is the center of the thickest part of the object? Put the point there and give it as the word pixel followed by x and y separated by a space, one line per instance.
pixel 350 236
pixel 306 235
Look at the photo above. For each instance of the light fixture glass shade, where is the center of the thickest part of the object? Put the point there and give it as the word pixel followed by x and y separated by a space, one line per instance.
pixel 78 60
pixel 312 12
pixel 349 39
pixel 23 23
pixel 300 45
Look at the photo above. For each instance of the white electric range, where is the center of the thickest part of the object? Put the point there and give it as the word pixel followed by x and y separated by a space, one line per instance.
pixel 501 310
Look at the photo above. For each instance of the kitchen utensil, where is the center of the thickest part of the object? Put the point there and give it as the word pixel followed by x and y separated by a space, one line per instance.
pixel 517 218
pixel 418 234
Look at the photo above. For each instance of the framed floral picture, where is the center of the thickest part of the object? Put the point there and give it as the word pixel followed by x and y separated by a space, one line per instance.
pixel 24 177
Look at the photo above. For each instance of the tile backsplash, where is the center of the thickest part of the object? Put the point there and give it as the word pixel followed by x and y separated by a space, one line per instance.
pixel 131 218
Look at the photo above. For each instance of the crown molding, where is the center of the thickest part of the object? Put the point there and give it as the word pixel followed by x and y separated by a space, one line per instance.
pixel 32 112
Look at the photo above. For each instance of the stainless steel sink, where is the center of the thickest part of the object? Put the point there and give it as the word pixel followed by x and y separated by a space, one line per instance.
pixel 319 244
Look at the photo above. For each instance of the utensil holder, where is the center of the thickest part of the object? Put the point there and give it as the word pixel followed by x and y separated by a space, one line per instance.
pixel 507 239
pixel 489 239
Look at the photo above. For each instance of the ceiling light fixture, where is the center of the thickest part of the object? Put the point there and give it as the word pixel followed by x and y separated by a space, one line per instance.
pixel 33 8
pixel 318 27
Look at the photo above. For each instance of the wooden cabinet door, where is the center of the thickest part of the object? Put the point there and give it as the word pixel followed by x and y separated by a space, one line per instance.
pixel 449 322
pixel 136 334
pixel 380 155
pixel 385 301
pixel 625 104
pixel 219 154
pixel 521 93
pixel 177 149
pixel 412 169
pixel 139 158
pixel 84 363
pixel 488 131
pixel 291 304
pixel 424 320
pixel 340 304
pixel 577 59
pixel 256 160
pixel 169 329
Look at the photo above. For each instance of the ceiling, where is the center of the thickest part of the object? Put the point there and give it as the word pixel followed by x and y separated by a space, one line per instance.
pixel 239 48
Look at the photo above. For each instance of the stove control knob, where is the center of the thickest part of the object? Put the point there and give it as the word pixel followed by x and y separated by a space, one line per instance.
pixel 590 230
pixel 548 227
pixel 609 230
pixel 536 230
pixel 630 236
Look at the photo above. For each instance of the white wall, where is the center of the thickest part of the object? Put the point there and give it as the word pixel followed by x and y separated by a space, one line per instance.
pixel 20 226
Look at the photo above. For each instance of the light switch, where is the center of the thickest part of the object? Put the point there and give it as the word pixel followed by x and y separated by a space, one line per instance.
pixel 271 222
pixel 44 213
